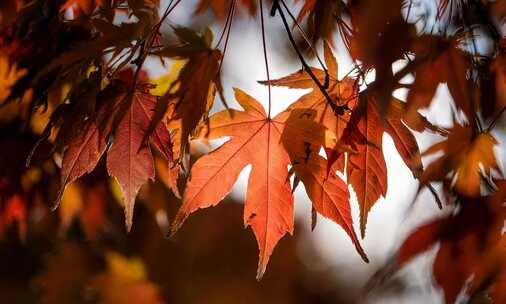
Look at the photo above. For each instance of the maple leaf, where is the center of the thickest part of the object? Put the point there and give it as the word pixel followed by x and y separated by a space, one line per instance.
pixel 404 140
pixel 81 156
pixel 466 157
pixel 367 169
pixel 220 7
pixel 471 246
pixel 130 159
pixel 322 16
pixel 196 84
pixel 379 40
pixel 169 174
pixel 180 162
pixel 268 145
pixel 446 63
pixel 329 194
pixel 343 91
pixel 81 105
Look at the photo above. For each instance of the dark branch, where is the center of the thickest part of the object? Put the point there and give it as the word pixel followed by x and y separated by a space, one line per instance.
pixel 339 110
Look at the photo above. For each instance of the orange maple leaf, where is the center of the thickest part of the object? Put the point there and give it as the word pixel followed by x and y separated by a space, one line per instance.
pixel 466 157
pixel 343 91
pixel 446 63
pixel 268 144
pixel 367 169
pixel 472 247
pixel 196 85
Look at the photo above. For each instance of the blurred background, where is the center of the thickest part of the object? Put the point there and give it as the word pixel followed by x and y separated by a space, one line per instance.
pixel 81 253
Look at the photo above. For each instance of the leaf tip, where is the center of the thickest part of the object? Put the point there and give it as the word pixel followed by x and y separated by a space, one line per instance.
pixel 55 205
pixel 364 257
pixel 128 225
pixel 262 264
pixel 362 228
pixel 360 250
pixel 57 201
pixel 176 224
pixel 260 271
pixel 128 218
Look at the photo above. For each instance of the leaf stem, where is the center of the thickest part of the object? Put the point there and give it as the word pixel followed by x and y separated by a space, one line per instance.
pixel 265 56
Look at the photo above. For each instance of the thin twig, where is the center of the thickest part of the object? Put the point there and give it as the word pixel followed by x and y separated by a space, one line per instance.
pixel 475 53
pixel 496 118
pixel 148 43
pixel 226 25
pixel 231 14
pixel 311 46
pixel 345 31
pixel 436 196
pixel 336 108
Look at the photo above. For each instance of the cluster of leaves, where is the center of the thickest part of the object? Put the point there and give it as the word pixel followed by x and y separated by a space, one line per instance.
pixel 102 102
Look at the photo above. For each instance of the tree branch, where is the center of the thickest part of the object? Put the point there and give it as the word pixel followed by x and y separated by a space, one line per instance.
pixel 338 109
